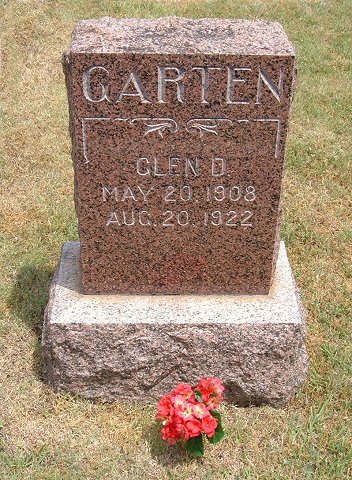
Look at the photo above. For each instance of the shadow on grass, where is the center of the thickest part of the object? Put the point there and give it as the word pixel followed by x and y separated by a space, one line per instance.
pixel 28 299
pixel 167 455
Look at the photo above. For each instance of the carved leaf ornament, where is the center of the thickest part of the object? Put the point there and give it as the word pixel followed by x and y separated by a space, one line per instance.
pixel 206 125
pixel 159 125
pixel 164 125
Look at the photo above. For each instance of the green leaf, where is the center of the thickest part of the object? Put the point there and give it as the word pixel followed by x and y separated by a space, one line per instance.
pixel 218 435
pixel 214 394
pixel 195 446
pixel 216 415
pixel 219 432
pixel 198 396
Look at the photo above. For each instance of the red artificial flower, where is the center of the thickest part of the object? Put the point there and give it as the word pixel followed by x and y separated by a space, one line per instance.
pixel 179 402
pixel 185 390
pixel 185 413
pixel 180 427
pixel 194 428
pixel 170 434
pixel 209 425
pixel 165 407
pixel 211 390
pixel 184 416
pixel 210 385
pixel 214 402
pixel 200 410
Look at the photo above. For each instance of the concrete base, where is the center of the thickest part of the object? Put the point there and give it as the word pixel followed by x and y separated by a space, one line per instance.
pixel 139 347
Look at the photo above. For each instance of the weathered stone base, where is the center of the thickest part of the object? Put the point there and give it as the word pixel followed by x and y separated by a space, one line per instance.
pixel 138 347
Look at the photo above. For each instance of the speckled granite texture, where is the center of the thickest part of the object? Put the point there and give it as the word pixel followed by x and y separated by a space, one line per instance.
pixel 138 347
pixel 168 35
pixel 178 129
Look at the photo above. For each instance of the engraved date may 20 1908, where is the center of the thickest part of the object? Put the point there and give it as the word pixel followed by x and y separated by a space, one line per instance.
pixel 179 193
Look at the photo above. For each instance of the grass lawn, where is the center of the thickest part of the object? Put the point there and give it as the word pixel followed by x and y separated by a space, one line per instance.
pixel 44 435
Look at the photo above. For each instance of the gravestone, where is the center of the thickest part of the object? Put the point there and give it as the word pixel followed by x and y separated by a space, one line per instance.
pixel 178 130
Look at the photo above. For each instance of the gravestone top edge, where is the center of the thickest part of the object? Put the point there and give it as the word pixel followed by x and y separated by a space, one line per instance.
pixel 177 35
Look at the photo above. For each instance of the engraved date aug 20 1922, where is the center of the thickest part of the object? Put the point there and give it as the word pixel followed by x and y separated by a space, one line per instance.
pixel 182 218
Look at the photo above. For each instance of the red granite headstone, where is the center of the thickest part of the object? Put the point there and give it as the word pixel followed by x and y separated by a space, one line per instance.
pixel 178 129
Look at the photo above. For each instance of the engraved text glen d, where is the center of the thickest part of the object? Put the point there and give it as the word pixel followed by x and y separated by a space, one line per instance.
pixel 176 166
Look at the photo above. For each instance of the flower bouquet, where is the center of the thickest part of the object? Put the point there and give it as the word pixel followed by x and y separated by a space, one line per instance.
pixel 189 414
